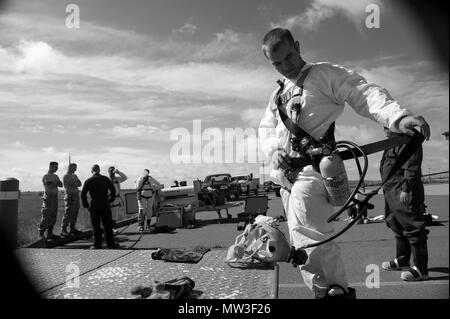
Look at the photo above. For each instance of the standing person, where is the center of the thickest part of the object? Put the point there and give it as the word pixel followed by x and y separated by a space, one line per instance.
pixel 147 188
pixel 404 213
pixel 49 208
pixel 116 177
pixel 98 186
pixel 71 200
pixel 312 95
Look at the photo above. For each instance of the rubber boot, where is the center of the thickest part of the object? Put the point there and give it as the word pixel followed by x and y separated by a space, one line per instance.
pixel 403 251
pixel 420 257
pixel 64 232
pixel 50 234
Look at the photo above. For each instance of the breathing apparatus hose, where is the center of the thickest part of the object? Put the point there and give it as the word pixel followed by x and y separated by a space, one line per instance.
pixel 411 146
pixel 351 201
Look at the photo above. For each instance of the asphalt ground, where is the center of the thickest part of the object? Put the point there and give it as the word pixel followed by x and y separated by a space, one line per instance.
pixel 364 247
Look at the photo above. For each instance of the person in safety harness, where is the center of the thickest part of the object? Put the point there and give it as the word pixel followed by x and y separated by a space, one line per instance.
pixel 147 188
pixel 404 213
pixel 313 96
pixel 117 177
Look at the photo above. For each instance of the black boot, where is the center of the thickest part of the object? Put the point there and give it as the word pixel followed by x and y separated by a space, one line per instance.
pixel 403 251
pixel 348 294
pixel 420 257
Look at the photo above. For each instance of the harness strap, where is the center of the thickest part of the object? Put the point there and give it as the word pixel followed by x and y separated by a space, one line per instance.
pixel 291 126
pixel 411 146
pixel 367 149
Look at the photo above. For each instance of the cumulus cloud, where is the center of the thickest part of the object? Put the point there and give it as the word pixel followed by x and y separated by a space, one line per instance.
pixel 188 28
pixel 320 10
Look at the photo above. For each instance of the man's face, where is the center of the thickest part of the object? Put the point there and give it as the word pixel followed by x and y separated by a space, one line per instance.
pixel 286 59
pixel 72 169
pixel 53 168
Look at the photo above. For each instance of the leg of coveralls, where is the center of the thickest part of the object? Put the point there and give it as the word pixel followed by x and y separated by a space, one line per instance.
pixel 413 224
pixel 52 212
pixel 141 213
pixel 97 230
pixel 43 225
pixel 108 226
pixel 285 201
pixel 150 210
pixel 67 209
pixel 308 211
pixel 391 202
pixel 74 212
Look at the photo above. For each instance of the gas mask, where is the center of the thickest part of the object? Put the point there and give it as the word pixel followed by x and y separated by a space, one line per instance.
pixel 262 243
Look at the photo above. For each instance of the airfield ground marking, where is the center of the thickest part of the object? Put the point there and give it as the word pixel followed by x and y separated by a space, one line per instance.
pixel 387 283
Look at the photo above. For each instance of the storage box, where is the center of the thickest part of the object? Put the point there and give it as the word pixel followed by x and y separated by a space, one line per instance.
pixel 170 216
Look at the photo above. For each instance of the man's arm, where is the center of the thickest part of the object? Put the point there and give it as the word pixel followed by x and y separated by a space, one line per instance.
pixel 78 182
pixel 370 100
pixel 58 182
pixel 84 192
pixel 48 182
pixel 122 177
pixel 267 129
pixel 154 183
pixel 71 181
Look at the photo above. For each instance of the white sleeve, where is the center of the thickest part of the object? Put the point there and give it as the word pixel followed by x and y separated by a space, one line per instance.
pixel 154 183
pixel 139 183
pixel 267 129
pixel 367 99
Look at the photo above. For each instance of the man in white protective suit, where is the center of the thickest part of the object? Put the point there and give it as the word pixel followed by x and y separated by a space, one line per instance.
pixel 147 192
pixel 313 96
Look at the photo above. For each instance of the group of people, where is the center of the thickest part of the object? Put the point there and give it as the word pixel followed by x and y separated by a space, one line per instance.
pixel 311 96
pixel 105 206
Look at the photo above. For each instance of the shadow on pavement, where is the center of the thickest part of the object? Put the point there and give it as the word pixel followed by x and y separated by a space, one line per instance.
pixel 443 270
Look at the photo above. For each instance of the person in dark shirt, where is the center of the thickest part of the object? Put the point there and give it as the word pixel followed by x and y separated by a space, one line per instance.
pixel 404 207
pixel 98 186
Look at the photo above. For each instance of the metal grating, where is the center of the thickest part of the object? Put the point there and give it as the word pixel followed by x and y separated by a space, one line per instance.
pixel 213 277
pixel 48 268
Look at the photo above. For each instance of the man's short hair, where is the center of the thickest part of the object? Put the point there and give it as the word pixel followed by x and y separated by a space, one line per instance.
pixel 53 163
pixel 147 170
pixel 111 169
pixel 275 37
pixel 95 168
pixel 72 165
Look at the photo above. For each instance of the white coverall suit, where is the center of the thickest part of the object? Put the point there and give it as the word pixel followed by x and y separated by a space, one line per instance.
pixel 147 197
pixel 116 205
pixel 325 90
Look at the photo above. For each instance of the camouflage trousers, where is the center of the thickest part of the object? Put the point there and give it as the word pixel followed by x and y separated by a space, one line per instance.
pixel 72 206
pixel 49 210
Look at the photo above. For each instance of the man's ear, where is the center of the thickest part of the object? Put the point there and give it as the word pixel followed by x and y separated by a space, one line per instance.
pixel 297 46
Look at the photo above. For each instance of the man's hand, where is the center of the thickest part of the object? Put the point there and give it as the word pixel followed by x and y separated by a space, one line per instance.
pixel 408 123
pixel 284 161
pixel 405 198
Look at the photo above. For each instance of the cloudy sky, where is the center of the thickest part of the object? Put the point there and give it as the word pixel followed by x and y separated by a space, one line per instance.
pixel 116 90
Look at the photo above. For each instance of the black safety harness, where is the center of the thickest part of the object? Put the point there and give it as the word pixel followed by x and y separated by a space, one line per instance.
pixel 311 151
pixel 139 191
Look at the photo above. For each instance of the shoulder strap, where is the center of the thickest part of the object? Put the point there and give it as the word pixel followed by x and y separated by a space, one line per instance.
pixel 290 125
